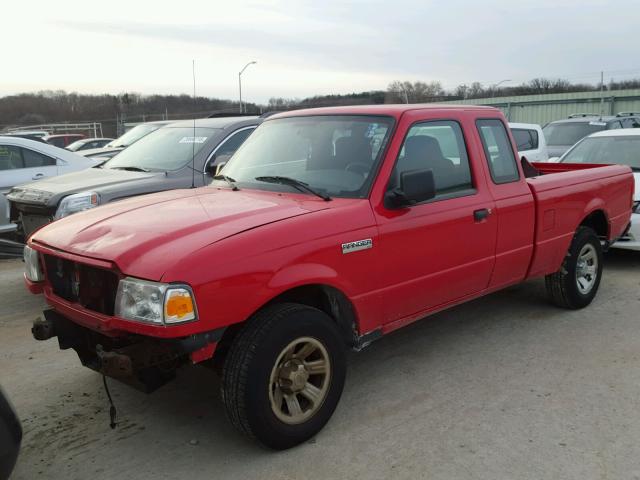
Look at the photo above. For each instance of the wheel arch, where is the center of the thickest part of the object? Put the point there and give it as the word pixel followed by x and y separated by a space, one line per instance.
pixel 329 299
pixel 598 221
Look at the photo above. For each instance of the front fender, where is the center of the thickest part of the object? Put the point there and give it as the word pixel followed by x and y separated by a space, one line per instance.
pixel 306 274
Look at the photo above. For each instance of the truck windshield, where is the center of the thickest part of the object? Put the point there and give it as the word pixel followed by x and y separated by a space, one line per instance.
pixel 335 155
pixel 165 149
pixel 568 133
pixel 623 150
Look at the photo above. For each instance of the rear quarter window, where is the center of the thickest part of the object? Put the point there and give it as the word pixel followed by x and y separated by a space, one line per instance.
pixel 498 151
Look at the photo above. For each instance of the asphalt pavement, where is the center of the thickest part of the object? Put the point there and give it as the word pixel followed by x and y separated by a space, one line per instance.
pixel 504 387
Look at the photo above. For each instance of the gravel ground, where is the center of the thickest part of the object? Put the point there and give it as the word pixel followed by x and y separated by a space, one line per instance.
pixel 505 387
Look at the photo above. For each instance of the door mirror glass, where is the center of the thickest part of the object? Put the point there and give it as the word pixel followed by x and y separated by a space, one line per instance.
pixel 416 186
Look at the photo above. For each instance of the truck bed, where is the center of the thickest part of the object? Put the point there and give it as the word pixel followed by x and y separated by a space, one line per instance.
pixel 565 195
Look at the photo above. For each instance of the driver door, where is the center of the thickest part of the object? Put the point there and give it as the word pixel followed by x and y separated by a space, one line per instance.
pixel 441 250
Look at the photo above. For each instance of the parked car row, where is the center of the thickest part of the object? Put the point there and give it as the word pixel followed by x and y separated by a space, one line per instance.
pixel 158 156
pixel 127 139
pixel 70 141
pixel 562 134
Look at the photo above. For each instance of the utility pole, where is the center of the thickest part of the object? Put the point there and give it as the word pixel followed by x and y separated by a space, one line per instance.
pixel 601 94
pixel 240 81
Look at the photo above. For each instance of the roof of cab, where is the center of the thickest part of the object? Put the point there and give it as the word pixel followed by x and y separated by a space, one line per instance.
pixel 390 110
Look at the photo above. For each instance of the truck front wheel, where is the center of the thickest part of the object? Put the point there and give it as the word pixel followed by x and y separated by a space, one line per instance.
pixel 284 374
pixel 576 283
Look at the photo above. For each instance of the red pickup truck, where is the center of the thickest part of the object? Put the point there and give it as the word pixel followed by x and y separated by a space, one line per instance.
pixel 327 229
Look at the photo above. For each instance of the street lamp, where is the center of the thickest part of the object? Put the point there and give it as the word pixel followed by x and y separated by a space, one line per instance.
pixel 495 86
pixel 240 81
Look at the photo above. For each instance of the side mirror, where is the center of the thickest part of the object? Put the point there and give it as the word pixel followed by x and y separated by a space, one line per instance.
pixel 416 186
pixel 210 169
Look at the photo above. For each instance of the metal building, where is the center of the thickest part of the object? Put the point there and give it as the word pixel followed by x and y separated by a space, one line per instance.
pixel 542 109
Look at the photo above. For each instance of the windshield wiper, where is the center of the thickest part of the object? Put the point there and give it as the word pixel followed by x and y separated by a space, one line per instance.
pixel 297 184
pixel 229 180
pixel 131 169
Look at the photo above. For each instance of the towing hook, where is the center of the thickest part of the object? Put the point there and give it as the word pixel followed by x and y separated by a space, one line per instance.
pixel 43 329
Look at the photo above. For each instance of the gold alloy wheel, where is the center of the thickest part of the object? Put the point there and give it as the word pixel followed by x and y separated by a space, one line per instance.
pixel 299 380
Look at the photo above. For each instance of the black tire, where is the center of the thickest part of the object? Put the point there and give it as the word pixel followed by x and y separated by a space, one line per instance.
pixel 562 286
pixel 246 383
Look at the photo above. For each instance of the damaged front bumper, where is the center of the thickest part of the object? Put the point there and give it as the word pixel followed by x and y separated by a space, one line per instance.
pixel 145 363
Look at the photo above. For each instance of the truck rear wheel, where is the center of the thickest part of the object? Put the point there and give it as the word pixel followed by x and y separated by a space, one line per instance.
pixel 283 375
pixel 576 283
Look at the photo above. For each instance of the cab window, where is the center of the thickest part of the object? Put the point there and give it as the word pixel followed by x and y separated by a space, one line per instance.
pixel 438 146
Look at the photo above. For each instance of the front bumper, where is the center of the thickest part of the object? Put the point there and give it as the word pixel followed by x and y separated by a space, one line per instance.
pixel 143 362
pixel 29 217
pixel 631 240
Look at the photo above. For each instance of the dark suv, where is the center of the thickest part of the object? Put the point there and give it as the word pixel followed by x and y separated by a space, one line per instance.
pixel 562 134
pixel 182 154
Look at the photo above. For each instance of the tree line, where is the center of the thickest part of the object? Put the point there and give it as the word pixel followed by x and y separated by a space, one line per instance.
pixel 58 106
pixel 426 92
pixel 113 110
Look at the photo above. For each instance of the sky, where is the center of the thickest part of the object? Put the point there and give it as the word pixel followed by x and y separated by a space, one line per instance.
pixel 304 48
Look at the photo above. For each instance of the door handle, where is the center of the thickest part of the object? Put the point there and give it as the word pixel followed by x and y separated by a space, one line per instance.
pixel 37 176
pixel 482 214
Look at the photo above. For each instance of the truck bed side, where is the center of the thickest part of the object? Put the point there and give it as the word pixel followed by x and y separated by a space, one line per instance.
pixel 565 196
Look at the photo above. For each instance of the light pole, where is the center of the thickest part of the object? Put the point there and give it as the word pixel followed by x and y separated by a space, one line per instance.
pixel 495 86
pixel 240 81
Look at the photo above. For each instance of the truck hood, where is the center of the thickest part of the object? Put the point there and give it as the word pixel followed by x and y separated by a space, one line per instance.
pixel 49 191
pixel 146 235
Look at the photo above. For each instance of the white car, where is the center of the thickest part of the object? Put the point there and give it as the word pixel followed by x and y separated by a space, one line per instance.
pixel 23 160
pixel 620 147
pixel 530 141
pixel 5 224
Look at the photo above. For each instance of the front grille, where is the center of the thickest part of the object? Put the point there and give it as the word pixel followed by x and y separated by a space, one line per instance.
pixel 93 288
pixel 31 223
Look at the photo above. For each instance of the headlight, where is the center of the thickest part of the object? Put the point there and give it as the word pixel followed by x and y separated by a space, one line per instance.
pixel 76 203
pixel 32 269
pixel 153 302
